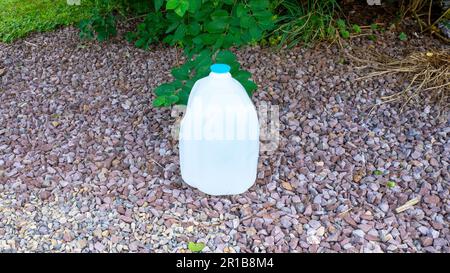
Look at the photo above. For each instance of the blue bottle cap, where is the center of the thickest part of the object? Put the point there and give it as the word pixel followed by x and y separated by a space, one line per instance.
pixel 220 68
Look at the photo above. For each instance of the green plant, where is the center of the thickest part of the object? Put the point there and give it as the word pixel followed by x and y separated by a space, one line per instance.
pixel 356 29
pixel 377 172
pixel 305 21
pixel 177 91
pixel 204 29
pixel 149 31
pixel 374 26
pixel 391 184
pixel 342 26
pixel 180 6
pixel 345 34
pixel 403 36
pixel 101 24
pixel 196 247
pixel 340 23
pixel 217 24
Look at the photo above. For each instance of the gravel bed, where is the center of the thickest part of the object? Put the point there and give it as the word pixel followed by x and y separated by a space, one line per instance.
pixel 88 165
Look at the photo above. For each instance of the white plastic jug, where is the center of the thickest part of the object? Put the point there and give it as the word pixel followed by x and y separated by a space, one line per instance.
pixel 219 135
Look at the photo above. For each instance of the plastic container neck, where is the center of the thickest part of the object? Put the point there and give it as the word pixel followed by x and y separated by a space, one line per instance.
pixel 220 75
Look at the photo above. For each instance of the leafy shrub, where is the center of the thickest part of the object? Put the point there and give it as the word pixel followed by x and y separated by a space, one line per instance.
pixel 149 31
pixel 219 24
pixel 177 92
pixel 208 27
pixel 204 28
pixel 101 24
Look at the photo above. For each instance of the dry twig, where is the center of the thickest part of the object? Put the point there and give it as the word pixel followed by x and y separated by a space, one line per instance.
pixel 426 72
pixel 408 205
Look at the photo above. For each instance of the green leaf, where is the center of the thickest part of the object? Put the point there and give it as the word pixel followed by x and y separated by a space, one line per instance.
pixel 226 57
pixel 179 33
pixel 200 64
pixel 216 26
pixel 141 27
pixel 196 247
pixel 194 5
pixel 263 14
pixel 203 56
pixel 141 42
pixel 159 101
pixel 341 24
pixel 391 184
pixel 356 28
pixel 374 26
pixel 219 42
pixel 172 27
pixel 219 14
pixel 247 22
pixel 331 31
pixel 403 37
pixel 249 86
pixel 177 84
pixel 198 40
pixel 377 172
pixel 172 99
pixel 189 84
pixel 255 32
pixel 130 36
pixel 182 8
pixel 172 4
pixel 84 23
pixel 102 35
pixel 158 4
pixel 241 10
pixel 259 4
pixel 164 89
pixel 181 73
pixel 168 39
pixel 183 95
pixel 203 68
pixel 210 38
pixel 229 41
pixel 242 75
pixel 345 34
pixel 193 29
pixel 165 100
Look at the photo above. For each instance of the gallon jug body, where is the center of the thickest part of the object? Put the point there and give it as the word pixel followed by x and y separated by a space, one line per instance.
pixel 219 137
